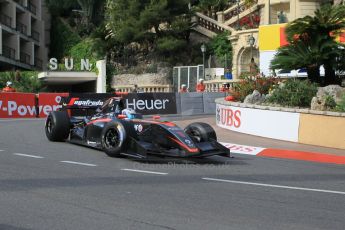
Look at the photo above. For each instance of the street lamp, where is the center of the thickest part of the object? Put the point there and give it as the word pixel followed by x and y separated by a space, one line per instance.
pixel 203 50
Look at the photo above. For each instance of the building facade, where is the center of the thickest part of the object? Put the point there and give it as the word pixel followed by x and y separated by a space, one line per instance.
pixel 24 35
pixel 243 18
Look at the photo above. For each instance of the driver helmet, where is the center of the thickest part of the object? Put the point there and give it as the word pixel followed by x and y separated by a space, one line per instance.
pixel 9 84
pixel 129 112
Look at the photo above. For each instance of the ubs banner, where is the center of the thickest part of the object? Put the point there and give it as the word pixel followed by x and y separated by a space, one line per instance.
pixel 265 123
pixel 144 103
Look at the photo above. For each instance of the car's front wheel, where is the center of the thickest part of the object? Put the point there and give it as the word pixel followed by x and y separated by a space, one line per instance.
pixel 201 132
pixel 57 126
pixel 114 139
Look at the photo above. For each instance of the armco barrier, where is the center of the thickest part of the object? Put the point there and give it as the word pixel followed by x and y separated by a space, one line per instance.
pixel 298 125
pixel 17 105
pixel 147 103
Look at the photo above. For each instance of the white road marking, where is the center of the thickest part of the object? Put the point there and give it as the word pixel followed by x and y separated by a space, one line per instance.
pixel 1 150
pixel 274 186
pixel 142 171
pixel 26 155
pixel 20 119
pixel 78 163
pixel 243 149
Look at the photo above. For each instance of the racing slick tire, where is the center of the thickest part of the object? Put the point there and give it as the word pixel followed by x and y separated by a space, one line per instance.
pixel 114 139
pixel 57 126
pixel 201 132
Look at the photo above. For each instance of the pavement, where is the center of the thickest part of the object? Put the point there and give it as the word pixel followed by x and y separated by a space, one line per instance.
pixel 46 185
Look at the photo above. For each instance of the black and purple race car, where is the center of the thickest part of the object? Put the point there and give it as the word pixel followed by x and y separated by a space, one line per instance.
pixel 120 131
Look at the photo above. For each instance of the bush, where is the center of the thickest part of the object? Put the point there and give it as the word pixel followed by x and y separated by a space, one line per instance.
pixel 248 84
pixel 294 93
pixel 341 105
pixel 27 81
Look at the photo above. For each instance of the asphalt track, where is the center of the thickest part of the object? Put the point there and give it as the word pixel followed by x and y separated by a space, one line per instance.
pixel 46 185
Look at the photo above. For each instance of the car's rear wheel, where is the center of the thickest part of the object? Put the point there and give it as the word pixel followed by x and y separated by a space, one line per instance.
pixel 114 139
pixel 57 126
pixel 201 132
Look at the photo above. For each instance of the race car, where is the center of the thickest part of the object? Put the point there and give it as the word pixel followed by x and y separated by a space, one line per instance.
pixel 120 131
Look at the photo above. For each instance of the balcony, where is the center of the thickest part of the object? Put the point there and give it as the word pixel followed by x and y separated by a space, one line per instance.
pixel 21 28
pixel 8 52
pixel 20 2
pixel 35 35
pixel 38 63
pixel 6 20
pixel 25 58
pixel 32 8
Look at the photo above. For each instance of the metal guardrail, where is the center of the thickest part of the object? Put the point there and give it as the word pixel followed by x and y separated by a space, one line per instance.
pixel 32 8
pixel 35 35
pixel 38 63
pixel 8 52
pixel 21 28
pixel 25 58
pixel 6 20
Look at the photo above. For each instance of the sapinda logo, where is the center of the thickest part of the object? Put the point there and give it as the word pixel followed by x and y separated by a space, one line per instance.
pixel 88 102
pixel 229 117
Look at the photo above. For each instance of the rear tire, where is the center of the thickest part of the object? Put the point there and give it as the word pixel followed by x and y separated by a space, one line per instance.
pixel 114 139
pixel 57 126
pixel 201 132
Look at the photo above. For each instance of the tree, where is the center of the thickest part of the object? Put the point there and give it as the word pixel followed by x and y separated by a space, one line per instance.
pixel 162 26
pixel 327 22
pixel 222 48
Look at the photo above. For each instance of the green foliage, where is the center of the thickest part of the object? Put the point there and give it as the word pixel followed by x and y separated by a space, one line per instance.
pixel 312 44
pixel 222 48
pixel 28 81
pixel 340 107
pixel 62 39
pixel 160 26
pixel 330 102
pixel 294 93
pixel 61 7
pixel 248 84
pixel 212 5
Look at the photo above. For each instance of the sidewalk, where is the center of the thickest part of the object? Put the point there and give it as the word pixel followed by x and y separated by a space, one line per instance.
pixel 273 148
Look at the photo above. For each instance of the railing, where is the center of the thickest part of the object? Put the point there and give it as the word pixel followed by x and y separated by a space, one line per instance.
pixel 216 85
pixel 145 88
pixel 21 28
pixel 8 52
pixel 211 24
pixel 38 63
pixel 25 58
pixel 6 20
pixel 35 35
pixel 237 9
pixel 32 8
pixel 20 2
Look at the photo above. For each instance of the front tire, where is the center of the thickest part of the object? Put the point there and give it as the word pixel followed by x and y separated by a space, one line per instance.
pixel 57 126
pixel 114 139
pixel 201 132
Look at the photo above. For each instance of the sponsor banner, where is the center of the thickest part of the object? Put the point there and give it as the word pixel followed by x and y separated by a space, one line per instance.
pixel 17 105
pixel 152 103
pixel 243 149
pixel 143 103
pixel 265 123
pixel 48 102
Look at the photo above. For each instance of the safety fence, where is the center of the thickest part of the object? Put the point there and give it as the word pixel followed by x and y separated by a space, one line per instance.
pixel 30 105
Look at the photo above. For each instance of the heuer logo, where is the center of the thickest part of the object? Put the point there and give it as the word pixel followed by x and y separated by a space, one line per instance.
pixel 156 104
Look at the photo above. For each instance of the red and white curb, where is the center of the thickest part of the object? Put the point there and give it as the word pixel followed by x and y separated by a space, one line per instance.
pixel 285 154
